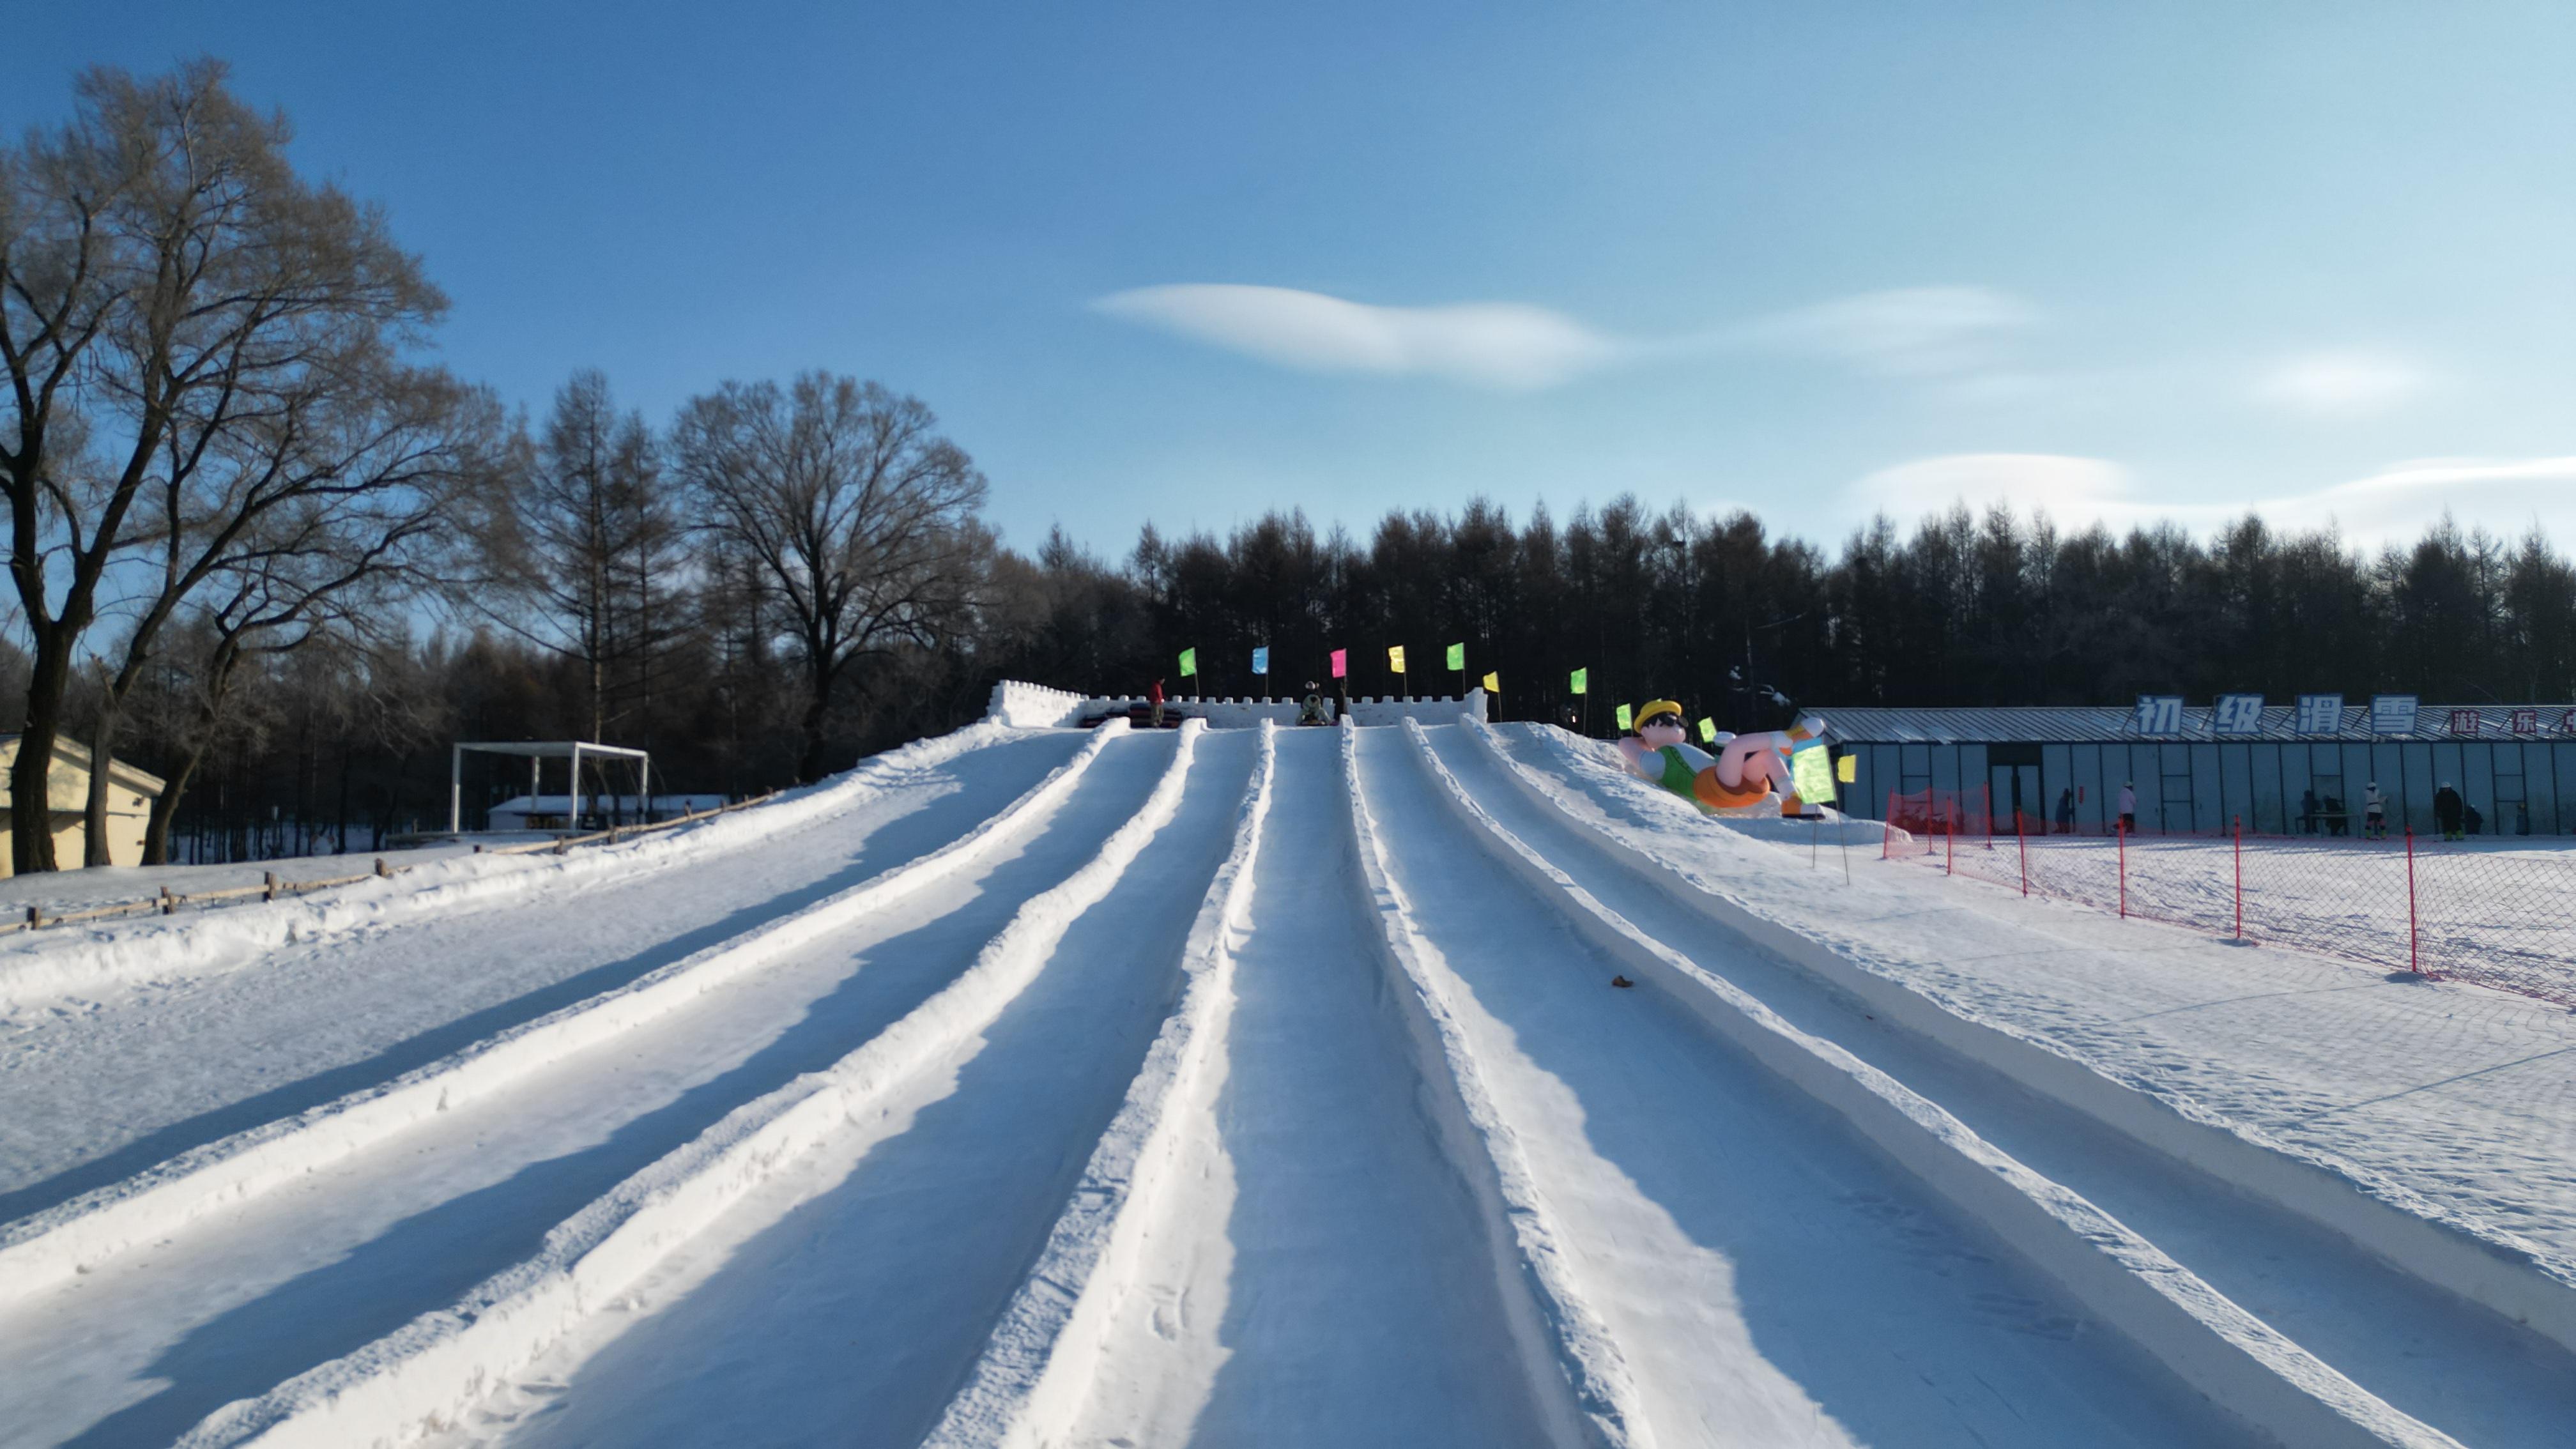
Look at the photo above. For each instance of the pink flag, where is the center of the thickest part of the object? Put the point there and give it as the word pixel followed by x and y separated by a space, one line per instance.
pixel 1341 664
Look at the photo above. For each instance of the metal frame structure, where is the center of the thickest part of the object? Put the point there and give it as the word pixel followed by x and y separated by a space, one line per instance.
pixel 537 753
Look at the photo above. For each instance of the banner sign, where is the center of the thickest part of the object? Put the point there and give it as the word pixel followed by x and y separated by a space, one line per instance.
pixel 2526 721
pixel 2464 722
pixel 2237 714
pixel 2321 714
pixel 2157 714
pixel 2392 714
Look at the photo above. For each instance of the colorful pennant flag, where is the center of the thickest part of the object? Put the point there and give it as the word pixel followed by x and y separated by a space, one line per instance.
pixel 1458 656
pixel 1189 662
pixel 1395 657
pixel 1582 682
pixel 1811 772
pixel 1261 660
pixel 1341 664
pixel 1847 769
pixel 1708 731
pixel 1626 717
pixel 1494 683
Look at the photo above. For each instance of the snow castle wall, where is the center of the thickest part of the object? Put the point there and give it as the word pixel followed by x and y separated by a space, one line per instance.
pixel 1034 706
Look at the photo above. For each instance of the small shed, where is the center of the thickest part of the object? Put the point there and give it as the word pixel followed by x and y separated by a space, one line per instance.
pixel 130 794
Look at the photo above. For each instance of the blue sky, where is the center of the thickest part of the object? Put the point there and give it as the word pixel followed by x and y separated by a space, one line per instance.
pixel 1187 263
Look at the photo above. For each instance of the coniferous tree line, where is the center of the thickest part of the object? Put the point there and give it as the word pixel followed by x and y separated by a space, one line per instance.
pixel 261 549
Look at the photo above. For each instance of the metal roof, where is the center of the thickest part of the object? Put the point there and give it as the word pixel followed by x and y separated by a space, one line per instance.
pixel 2109 724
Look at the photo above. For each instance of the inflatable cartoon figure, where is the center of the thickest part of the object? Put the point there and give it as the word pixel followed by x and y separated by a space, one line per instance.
pixel 1745 771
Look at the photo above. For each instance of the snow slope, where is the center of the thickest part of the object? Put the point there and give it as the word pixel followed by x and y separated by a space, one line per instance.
pixel 1262 1086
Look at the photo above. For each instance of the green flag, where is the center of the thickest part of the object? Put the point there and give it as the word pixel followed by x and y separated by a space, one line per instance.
pixel 1582 682
pixel 1708 732
pixel 1457 656
pixel 1189 662
pixel 1811 770
pixel 1626 716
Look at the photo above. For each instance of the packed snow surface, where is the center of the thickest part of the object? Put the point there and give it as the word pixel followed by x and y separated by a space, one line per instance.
pixel 1261 1086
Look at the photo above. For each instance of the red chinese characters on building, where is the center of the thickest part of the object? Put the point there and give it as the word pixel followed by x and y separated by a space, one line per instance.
pixel 2464 722
pixel 2526 721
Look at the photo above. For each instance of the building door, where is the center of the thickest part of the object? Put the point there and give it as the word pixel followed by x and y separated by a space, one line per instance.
pixel 2015 795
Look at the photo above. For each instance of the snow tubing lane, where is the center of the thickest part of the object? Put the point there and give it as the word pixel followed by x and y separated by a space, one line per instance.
pixel 2452 1254
pixel 424 1373
pixel 1572 1362
pixel 1036 1373
pixel 2241 1363
pixel 43 966
pixel 48 1247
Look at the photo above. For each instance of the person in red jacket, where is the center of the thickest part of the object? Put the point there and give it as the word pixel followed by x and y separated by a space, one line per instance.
pixel 1154 697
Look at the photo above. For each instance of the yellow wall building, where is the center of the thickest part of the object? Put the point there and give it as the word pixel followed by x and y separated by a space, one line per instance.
pixel 130 793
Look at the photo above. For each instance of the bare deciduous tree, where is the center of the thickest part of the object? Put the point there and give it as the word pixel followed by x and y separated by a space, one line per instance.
pixel 168 287
pixel 859 517
pixel 586 552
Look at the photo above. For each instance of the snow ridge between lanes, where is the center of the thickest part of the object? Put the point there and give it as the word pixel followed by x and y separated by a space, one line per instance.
pixel 50 1246
pixel 1565 1341
pixel 2240 1362
pixel 2463 1254
pixel 64 961
pixel 421 1377
pixel 1032 1380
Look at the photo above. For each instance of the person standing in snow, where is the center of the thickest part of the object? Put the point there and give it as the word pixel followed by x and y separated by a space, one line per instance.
pixel 2308 810
pixel 2128 807
pixel 1154 697
pixel 2374 812
pixel 1312 711
pixel 2446 811
pixel 2066 811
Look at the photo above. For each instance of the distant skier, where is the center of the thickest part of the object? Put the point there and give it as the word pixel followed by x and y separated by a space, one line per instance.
pixel 2374 812
pixel 2066 811
pixel 2446 811
pixel 2128 807
pixel 1311 712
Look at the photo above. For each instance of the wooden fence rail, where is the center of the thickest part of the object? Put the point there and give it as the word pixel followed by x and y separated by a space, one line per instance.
pixel 168 901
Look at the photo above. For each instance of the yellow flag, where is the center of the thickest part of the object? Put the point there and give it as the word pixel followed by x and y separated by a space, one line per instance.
pixel 1395 658
pixel 1493 684
pixel 1847 769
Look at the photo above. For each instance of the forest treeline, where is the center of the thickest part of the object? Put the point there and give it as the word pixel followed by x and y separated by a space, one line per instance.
pixel 262 548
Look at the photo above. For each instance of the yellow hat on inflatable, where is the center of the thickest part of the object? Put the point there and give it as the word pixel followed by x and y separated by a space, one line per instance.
pixel 1654 707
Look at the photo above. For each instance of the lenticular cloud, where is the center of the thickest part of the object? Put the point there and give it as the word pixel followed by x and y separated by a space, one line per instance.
pixel 1488 344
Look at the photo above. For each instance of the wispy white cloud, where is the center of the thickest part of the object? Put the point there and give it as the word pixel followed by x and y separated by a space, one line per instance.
pixel 1908 332
pixel 2064 487
pixel 2394 505
pixel 1489 344
pixel 1954 335
pixel 2338 383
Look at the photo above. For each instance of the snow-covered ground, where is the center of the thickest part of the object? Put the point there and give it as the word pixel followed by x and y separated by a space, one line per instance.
pixel 1263 1087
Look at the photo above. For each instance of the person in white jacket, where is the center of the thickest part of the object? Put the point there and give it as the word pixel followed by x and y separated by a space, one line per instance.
pixel 2128 807
pixel 2374 812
